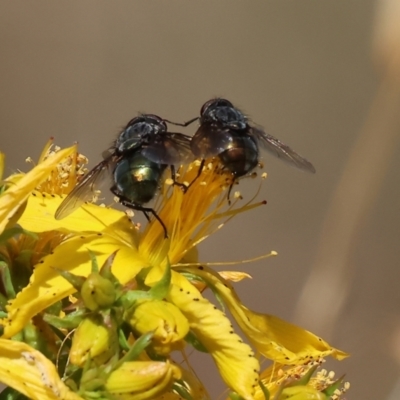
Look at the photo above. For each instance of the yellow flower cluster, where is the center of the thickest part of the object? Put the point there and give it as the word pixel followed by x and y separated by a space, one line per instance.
pixel 93 308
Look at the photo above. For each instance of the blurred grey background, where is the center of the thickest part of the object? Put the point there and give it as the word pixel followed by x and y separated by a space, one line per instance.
pixel 79 70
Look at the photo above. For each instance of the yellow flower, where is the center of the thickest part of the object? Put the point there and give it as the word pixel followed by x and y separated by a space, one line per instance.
pixel 145 302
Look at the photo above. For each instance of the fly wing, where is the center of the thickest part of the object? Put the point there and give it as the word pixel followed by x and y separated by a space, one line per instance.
pixel 169 148
pixel 280 150
pixel 86 188
pixel 210 140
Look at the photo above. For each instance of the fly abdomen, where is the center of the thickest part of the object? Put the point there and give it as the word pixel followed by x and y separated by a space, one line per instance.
pixel 137 178
pixel 241 156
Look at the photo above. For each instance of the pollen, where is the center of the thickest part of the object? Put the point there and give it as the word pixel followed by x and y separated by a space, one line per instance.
pixel 67 173
pixel 129 212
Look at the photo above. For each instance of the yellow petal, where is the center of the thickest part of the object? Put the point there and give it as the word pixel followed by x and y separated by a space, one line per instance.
pixel 282 341
pixel 15 196
pixel 234 358
pixel 166 320
pixel 39 217
pixel 274 338
pixel 31 373
pixel 47 286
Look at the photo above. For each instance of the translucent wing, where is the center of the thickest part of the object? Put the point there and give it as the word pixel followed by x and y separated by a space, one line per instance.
pixel 86 189
pixel 211 139
pixel 280 150
pixel 168 148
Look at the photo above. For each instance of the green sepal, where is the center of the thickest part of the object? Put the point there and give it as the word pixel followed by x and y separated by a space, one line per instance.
pixel 14 231
pixel 3 304
pixel 330 390
pixel 55 308
pixel 6 280
pixel 235 396
pixel 70 321
pixel 34 338
pixel 95 264
pixel 75 280
pixel 158 292
pixel 192 339
pixel 129 298
pixel 304 379
pixel 180 388
pixel 11 394
pixel 136 349
pixel 105 270
pixel 122 340
pixel 264 390
pixel 91 378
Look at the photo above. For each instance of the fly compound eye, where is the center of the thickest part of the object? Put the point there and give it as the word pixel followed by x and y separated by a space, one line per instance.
pixel 206 107
pixel 214 103
pixel 134 121
pixel 156 121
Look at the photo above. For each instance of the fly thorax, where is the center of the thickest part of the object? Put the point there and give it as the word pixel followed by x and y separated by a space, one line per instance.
pixel 228 116
pixel 134 136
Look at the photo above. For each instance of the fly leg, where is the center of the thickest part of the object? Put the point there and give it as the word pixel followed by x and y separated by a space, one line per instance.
pixel 180 124
pixel 145 210
pixel 198 174
pixel 176 183
pixel 233 182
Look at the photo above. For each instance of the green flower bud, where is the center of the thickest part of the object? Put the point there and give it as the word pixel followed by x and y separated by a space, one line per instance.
pixel 141 380
pixel 98 292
